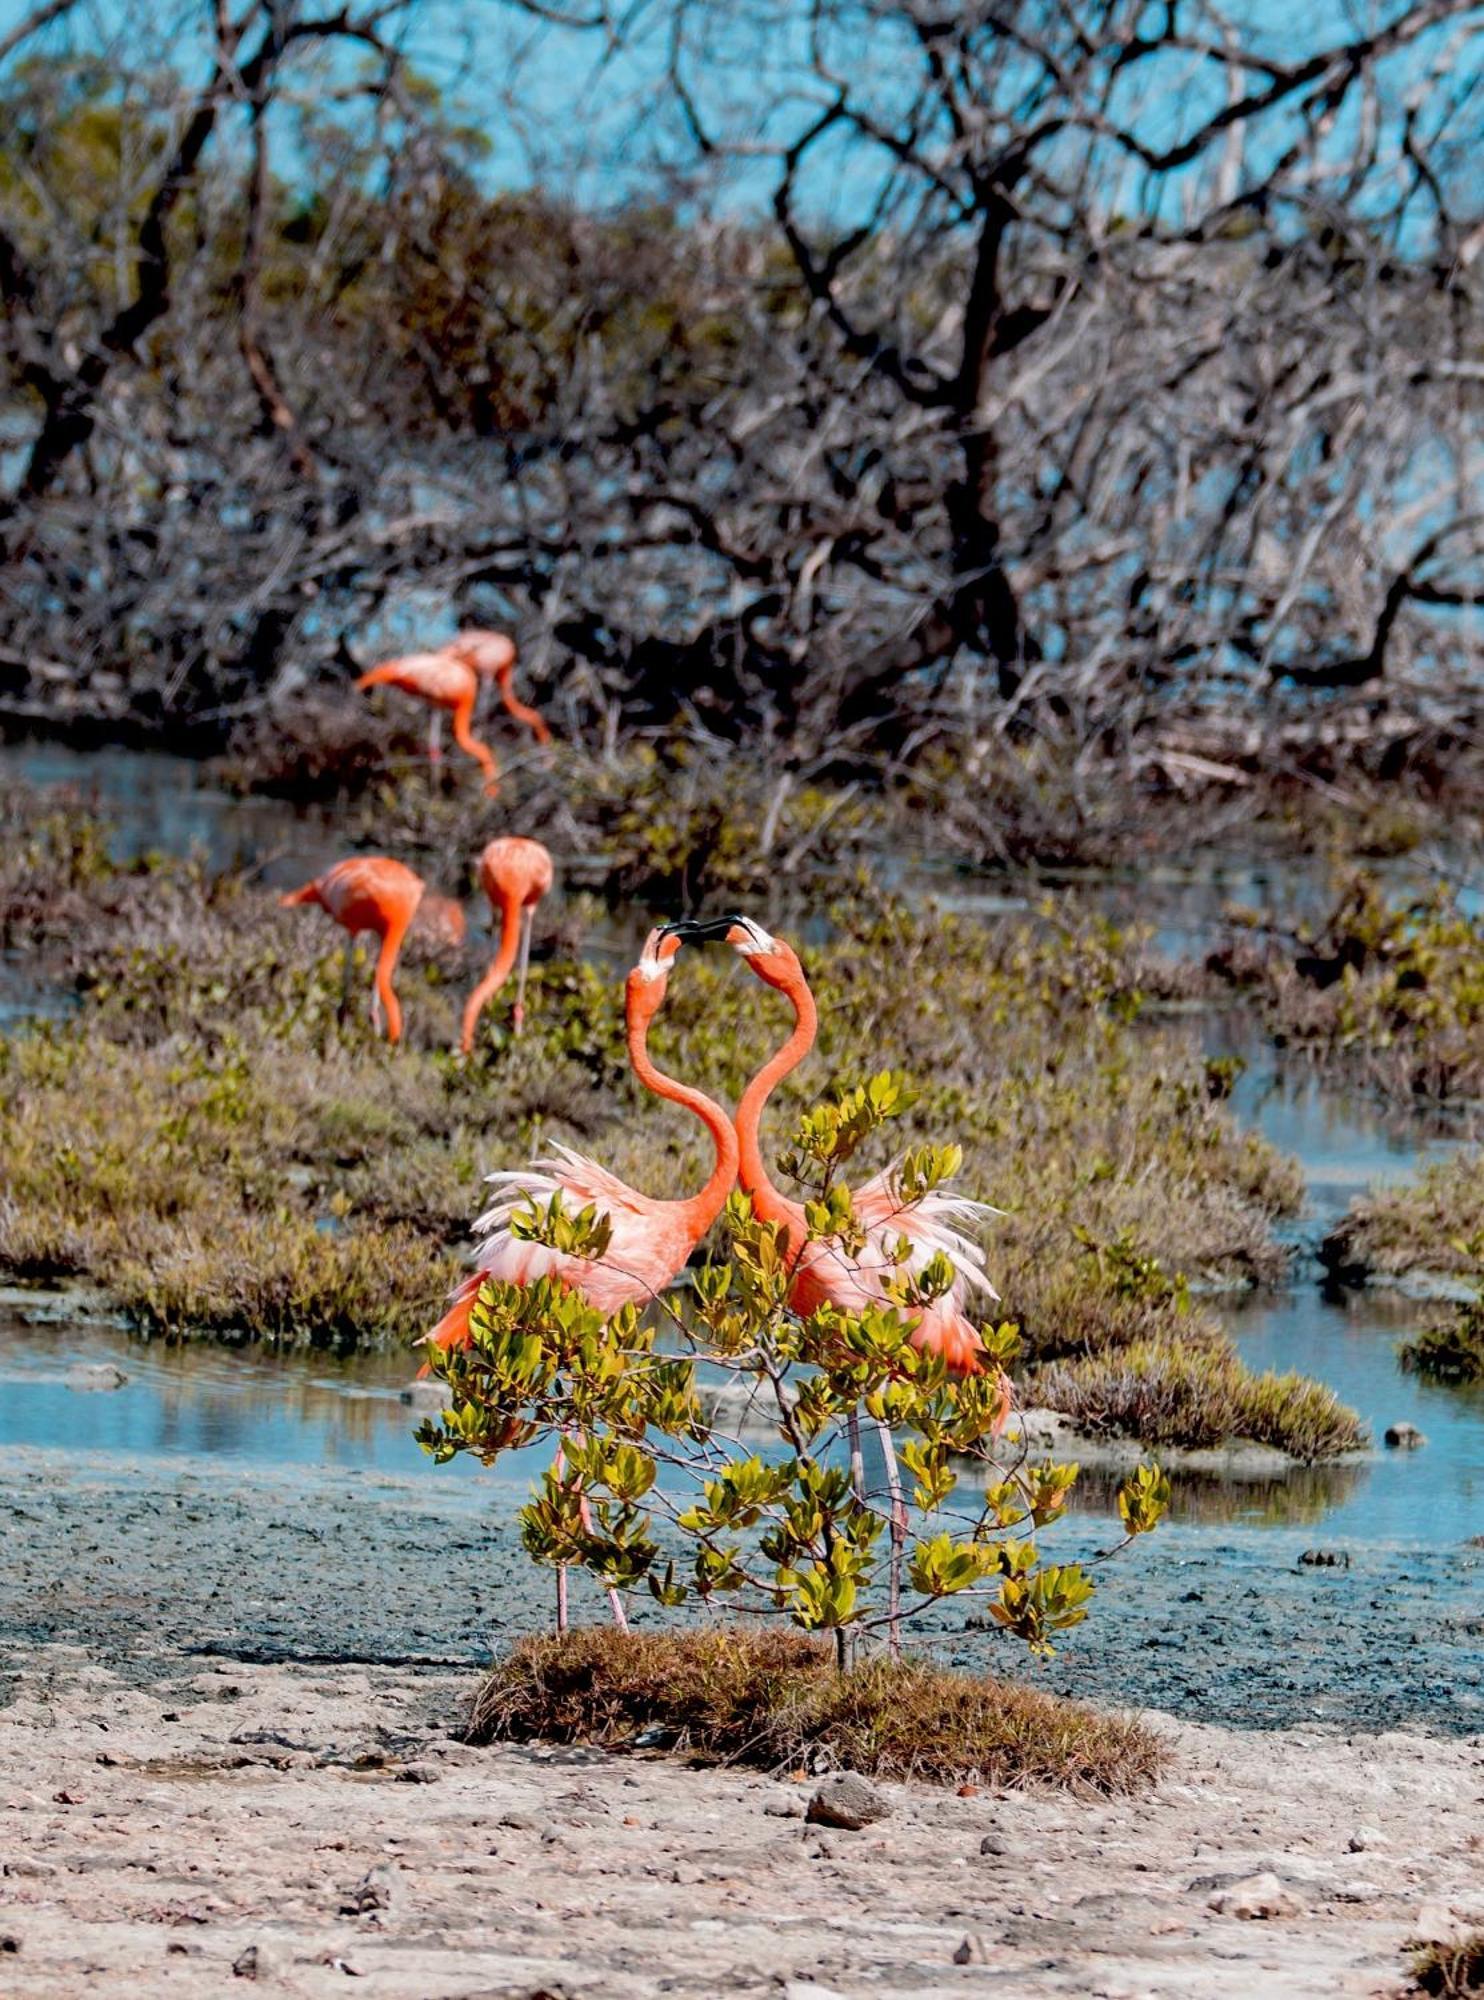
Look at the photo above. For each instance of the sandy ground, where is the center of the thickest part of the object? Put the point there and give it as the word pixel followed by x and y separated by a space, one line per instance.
pixel 151 1833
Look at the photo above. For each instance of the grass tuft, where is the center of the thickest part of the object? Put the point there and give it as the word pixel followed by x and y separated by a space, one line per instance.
pixel 1452 1351
pixel 1167 1392
pixel 773 1698
pixel 1450 1971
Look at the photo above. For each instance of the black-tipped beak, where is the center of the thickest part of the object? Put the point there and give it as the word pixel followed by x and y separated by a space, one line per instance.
pixel 699 927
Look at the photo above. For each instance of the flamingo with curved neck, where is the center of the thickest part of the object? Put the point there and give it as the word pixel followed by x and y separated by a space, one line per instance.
pixel 370 892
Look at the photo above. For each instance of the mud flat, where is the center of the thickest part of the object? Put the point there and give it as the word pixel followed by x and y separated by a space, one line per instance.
pixel 313 1828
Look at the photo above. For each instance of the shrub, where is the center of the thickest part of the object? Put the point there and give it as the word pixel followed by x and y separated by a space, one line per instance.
pixel 772 1698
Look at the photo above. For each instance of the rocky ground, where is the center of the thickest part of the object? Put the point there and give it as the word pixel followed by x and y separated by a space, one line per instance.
pixel 321 1832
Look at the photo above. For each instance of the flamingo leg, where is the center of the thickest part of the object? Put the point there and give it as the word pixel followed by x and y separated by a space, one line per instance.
pixel 518 1014
pixel 898 1541
pixel 559 1467
pixel 435 737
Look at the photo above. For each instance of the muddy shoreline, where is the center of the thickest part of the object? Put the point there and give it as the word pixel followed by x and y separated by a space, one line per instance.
pixel 304 1827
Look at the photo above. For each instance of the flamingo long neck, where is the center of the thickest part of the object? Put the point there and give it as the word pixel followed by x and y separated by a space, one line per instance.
pixel 505 681
pixel 700 1209
pixel 499 968
pixel 469 742
pixel 386 960
pixel 768 1201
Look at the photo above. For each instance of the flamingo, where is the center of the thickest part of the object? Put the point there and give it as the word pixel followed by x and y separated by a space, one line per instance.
pixel 824 1273
pixel 650 1240
pixel 515 874
pixel 369 893
pixel 493 655
pixel 448 683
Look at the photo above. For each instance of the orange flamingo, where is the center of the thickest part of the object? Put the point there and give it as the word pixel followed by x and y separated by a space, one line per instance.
pixel 369 893
pixel 448 683
pixel 515 874
pixel 650 1239
pixel 493 655
pixel 824 1274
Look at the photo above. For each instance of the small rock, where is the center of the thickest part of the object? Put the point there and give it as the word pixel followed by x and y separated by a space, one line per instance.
pixel 374 1891
pixel 846 1800
pixel 9 1943
pixel 90 1375
pixel 1256 1897
pixel 418 1774
pixel 1404 1437
pixel 25 1866
pixel 520 1822
pixel 1364 1837
pixel 1325 1559
pixel 784 1805
pixel 992 1844
pixel 258 1961
pixel 973 1951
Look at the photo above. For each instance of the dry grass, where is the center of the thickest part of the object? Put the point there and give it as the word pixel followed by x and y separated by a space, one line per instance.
pixel 1424 1225
pixel 773 1698
pixel 1449 1971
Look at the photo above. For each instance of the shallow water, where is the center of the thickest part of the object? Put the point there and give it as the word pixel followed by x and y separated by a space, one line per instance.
pixel 1401 1516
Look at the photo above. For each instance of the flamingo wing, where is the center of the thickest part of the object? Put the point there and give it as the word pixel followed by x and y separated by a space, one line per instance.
pixel 932 1222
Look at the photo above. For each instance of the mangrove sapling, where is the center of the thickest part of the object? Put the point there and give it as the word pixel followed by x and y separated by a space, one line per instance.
pixel 792 1531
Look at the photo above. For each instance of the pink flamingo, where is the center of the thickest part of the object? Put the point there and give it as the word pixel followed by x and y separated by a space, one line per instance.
pixel 369 893
pixel 448 683
pixel 450 679
pixel 824 1272
pixel 493 655
pixel 650 1239
pixel 515 874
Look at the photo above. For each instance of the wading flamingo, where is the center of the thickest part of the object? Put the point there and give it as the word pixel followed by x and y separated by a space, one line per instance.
pixel 515 874
pixel 369 893
pixel 493 655
pixel 448 683
pixel 650 1239
pixel 824 1273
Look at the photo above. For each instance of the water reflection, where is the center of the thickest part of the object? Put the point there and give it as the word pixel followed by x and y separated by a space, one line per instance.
pixel 1301 1498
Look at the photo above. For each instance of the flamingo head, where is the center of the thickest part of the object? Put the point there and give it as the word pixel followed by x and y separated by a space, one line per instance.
pixel 645 988
pixel 491 654
pixel 771 959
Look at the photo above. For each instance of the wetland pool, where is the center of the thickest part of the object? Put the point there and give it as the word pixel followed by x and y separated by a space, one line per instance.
pixel 307 1496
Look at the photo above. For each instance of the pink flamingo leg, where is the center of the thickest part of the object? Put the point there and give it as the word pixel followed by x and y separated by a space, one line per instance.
pixel 518 1012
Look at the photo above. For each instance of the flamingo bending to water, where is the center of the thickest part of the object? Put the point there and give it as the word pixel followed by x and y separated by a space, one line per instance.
pixel 493 655
pixel 515 874
pixel 369 893
pixel 448 683
pixel 650 1239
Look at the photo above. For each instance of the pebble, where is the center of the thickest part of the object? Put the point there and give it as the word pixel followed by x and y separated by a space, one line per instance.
pixel 784 1805
pixel 992 1844
pixel 88 1375
pixel 1258 1896
pixel 373 1892
pixel 845 1799
pixel 973 1951
pixel 258 1961
pixel 418 1774
pixel 1404 1437
pixel 1364 1837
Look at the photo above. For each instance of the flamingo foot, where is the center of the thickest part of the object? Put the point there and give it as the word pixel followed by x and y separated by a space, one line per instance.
pixel 517 1017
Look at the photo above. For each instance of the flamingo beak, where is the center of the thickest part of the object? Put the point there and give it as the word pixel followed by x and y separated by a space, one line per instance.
pixel 694 929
